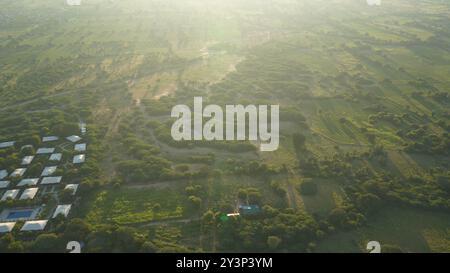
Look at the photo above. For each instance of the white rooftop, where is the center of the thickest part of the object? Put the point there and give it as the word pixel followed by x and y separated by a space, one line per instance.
pixel 51 180
pixel 4 184
pixel 73 138
pixel 49 138
pixel 28 182
pixel 18 172
pixel 34 225
pixel 11 194
pixel 56 157
pixel 3 174
pixel 27 159
pixel 7 227
pixel 42 151
pixel 49 170
pixel 29 193
pixel 79 159
pixel 7 144
pixel 62 209
pixel 72 187
pixel 80 147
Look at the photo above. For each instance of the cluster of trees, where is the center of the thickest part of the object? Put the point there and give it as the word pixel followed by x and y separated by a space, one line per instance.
pixel 417 191
pixel 278 188
pixel 163 134
pixel 149 169
pixel 250 196
pixel 195 193
pixel 273 230
pixel 396 120
pixel 105 238
pixel 424 140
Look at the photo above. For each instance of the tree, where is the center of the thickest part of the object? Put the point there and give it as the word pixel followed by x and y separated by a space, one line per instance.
pixel 254 197
pixel 76 230
pixel 66 195
pixel 208 218
pixel 195 201
pixel 16 247
pixel 157 207
pixel 338 216
pixel 47 243
pixel 148 247
pixel 273 242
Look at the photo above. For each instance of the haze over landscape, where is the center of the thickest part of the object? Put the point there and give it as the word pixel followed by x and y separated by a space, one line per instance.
pixel 86 152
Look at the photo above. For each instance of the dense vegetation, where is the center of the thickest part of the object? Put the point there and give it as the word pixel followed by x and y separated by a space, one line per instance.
pixel 365 129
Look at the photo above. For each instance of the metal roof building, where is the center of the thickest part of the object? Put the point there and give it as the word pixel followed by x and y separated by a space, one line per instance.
pixel 49 170
pixel 11 194
pixel 34 225
pixel 4 184
pixel 62 209
pixel 42 151
pixel 29 193
pixel 51 180
pixel 56 157
pixel 7 227
pixel 28 182
pixel 27 160
pixel 79 159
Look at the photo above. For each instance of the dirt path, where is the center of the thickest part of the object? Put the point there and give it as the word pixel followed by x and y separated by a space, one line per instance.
pixel 295 201
pixel 292 200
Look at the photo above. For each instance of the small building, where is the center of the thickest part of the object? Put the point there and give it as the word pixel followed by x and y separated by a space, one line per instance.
pixel 43 151
pixel 79 159
pixel 29 194
pixel 3 174
pixel 11 194
pixel 49 170
pixel 34 225
pixel 18 172
pixel 28 182
pixel 6 144
pixel 51 180
pixel 234 214
pixel 56 157
pixel 249 210
pixel 4 184
pixel 73 138
pixel 72 187
pixel 7 227
pixel 62 209
pixel 27 160
pixel 80 147
pixel 50 138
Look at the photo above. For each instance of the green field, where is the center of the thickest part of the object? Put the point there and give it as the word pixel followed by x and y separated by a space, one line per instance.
pixel 364 123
